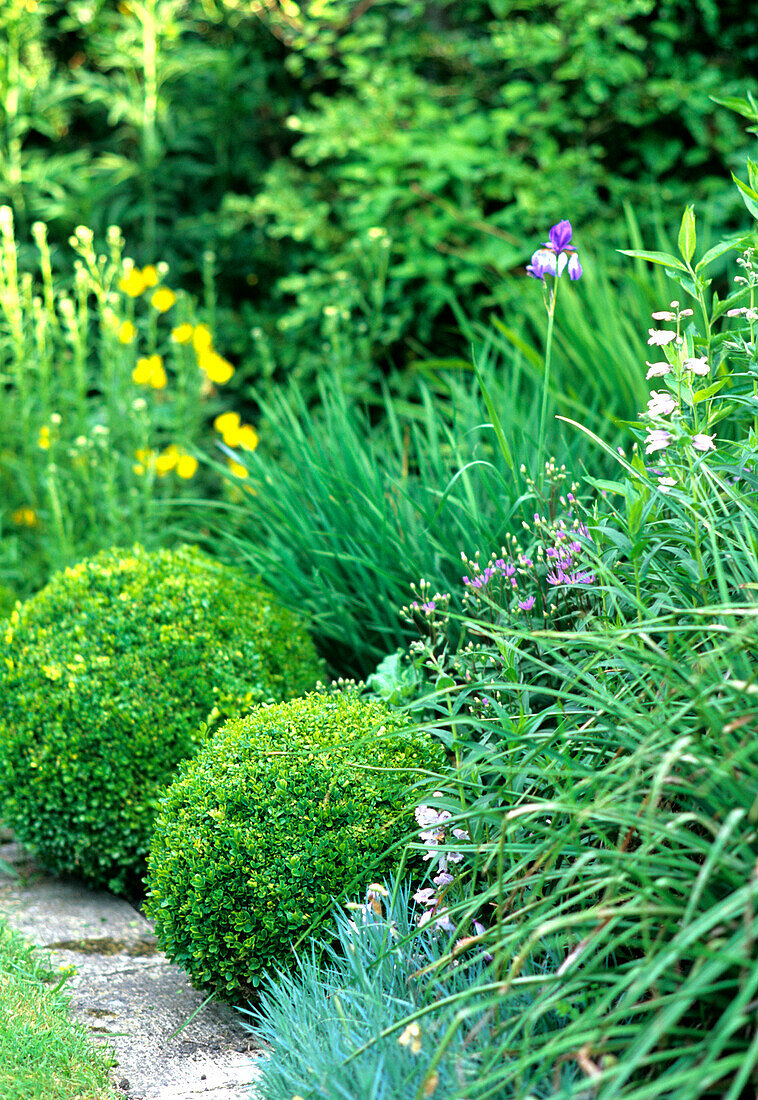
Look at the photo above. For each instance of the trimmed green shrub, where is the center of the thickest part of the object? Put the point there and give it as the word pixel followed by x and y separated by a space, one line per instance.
pixel 285 810
pixel 110 676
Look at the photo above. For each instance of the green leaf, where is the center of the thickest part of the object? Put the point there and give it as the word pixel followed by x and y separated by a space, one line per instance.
pixel 703 395
pixel 740 106
pixel 687 235
pixel 718 250
pixel 749 196
pixel 662 258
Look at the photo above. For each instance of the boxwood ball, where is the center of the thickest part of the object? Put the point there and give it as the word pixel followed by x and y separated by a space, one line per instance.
pixel 285 810
pixel 112 674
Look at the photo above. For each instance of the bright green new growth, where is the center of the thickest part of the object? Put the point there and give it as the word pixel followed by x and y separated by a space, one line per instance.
pixel 285 810
pixel 107 678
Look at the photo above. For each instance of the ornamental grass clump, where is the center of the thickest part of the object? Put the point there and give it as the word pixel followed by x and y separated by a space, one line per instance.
pixel 286 809
pixel 110 676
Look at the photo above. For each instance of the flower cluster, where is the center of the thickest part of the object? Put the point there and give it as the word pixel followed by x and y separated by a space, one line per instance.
pixel 164 462
pixel 216 369
pixel 149 370
pixel 672 412
pixel 556 255
pixel 435 832
pixel 559 557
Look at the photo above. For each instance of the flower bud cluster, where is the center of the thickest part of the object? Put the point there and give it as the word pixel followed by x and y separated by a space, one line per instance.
pixel 435 833
pixel 672 411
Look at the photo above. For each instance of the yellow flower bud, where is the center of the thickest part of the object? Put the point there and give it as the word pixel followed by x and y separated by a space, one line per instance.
pixel 237 468
pixel 227 422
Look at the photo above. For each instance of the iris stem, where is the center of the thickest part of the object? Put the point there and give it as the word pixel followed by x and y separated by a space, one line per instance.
pixel 546 383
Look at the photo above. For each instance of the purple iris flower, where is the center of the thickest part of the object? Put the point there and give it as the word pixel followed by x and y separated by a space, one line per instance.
pixel 556 255
pixel 560 237
pixel 543 263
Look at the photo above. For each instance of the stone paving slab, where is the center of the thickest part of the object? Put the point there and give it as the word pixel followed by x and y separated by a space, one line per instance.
pixel 128 994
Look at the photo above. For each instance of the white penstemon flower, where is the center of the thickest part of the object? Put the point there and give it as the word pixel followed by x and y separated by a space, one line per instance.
pixel 662 404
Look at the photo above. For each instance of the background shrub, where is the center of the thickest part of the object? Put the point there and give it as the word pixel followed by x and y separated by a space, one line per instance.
pixel 280 136
pixel 286 809
pixel 107 677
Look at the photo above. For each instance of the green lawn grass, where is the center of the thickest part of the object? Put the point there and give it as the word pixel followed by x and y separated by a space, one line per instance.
pixel 44 1055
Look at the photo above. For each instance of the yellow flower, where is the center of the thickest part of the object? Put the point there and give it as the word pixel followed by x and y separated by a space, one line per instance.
pixel 182 334
pixel 132 283
pixel 43 439
pixel 228 424
pixel 167 460
pixel 163 299
pixel 126 332
pixel 186 466
pixel 150 372
pixel 236 468
pixel 150 275
pixel 217 369
pixel 25 517
pixel 202 339
pixel 247 437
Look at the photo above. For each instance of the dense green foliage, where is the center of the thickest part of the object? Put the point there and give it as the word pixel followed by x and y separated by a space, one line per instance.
pixel 353 166
pixel 108 676
pixel 282 812
pixel 352 503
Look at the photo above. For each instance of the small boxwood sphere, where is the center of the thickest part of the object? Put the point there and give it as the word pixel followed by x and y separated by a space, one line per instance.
pixel 108 677
pixel 283 811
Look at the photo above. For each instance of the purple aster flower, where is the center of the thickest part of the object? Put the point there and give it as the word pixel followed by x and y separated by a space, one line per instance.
pixel 555 577
pixel 527 604
pixel 428 607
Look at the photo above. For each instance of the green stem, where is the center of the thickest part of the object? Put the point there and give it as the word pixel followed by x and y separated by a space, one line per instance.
pixel 546 383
